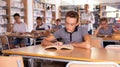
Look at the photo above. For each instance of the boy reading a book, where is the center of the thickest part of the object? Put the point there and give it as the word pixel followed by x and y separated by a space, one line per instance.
pixel 71 34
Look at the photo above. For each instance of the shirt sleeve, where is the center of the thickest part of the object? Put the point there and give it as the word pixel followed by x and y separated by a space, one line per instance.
pixel 57 34
pixel 34 27
pixel 84 31
pixel 92 19
pixel 25 28
pixel 47 26
pixel 14 28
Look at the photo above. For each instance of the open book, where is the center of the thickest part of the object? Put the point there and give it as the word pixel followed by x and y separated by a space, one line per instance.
pixel 60 47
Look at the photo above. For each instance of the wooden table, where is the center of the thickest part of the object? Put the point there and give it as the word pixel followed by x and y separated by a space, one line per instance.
pixel 25 36
pixel 77 54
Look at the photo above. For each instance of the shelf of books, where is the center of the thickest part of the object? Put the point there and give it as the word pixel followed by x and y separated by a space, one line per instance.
pixel 39 10
pixel 80 9
pixel 45 10
pixel 111 11
pixel 16 6
pixel 64 9
pixel 50 14
pixel 3 16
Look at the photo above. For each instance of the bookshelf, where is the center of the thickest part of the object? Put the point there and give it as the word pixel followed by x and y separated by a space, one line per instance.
pixel 45 10
pixel 3 16
pixel 16 6
pixel 111 11
pixel 39 10
pixel 80 9
pixel 64 9
pixel 50 14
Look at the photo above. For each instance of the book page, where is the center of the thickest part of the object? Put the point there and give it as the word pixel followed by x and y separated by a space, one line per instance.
pixel 60 47
pixel 52 47
pixel 67 47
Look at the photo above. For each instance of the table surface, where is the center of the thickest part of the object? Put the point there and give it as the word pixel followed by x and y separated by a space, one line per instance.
pixel 24 35
pixel 77 54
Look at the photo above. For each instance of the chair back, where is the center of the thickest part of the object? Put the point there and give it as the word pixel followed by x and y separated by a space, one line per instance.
pixel 113 47
pixel 4 41
pixel 96 42
pixel 11 61
pixel 92 64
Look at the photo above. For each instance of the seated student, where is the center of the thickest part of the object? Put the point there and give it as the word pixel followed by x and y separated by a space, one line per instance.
pixel 105 30
pixel 20 28
pixel 40 26
pixel 57 25
pixel 71 34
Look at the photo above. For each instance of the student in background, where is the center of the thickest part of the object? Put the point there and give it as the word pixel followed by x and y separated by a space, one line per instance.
pixel 57 25
pixel 88 18
pixel 105 30
pixel 71 34
pixel 19 28
pixel 40 25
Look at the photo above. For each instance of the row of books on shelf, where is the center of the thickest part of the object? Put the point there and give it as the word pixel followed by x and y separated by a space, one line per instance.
pixel 42 6
pixel 17 4
pixel 38 13
pixel 13 11
pixel 2 11
pixel 3 3
pixel 3 20
pixel 3 29
pixel 48 14
pixel 38 5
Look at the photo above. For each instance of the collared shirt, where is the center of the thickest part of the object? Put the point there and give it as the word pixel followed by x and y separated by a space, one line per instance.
pixel 42 27
pixel 108 31
pixel 90 17
pixel 22 27
pixel 56 26
pixel 76 36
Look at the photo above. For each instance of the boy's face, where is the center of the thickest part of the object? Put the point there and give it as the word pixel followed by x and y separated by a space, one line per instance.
pixel 70 24
pixel 39 22
pixel 17 19
pixel 86 7
pixel 104 24
pixel 58 22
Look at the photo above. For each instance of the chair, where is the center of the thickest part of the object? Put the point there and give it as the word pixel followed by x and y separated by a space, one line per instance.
pixel 96 42
pixel 113 47
pixel 5 42
pixel 92 64
pixel 11 61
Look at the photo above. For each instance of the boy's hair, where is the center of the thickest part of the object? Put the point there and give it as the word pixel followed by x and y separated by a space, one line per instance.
pixel 103 19
pixel 39 18
pixel 72 14
pixel 16 14
pixel 58 20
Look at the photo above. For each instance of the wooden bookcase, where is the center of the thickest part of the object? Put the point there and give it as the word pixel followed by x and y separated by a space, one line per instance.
pixel 80 9
pixel 39 10
pixel 50 14
pixel 3 16
pixel 16 6
pixel 64 9
pixel 44 10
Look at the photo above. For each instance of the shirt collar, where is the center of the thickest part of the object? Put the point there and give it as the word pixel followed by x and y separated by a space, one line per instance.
pixel 76 29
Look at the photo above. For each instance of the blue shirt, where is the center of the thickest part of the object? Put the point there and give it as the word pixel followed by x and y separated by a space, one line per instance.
pixel 76 36
pixel 108 31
